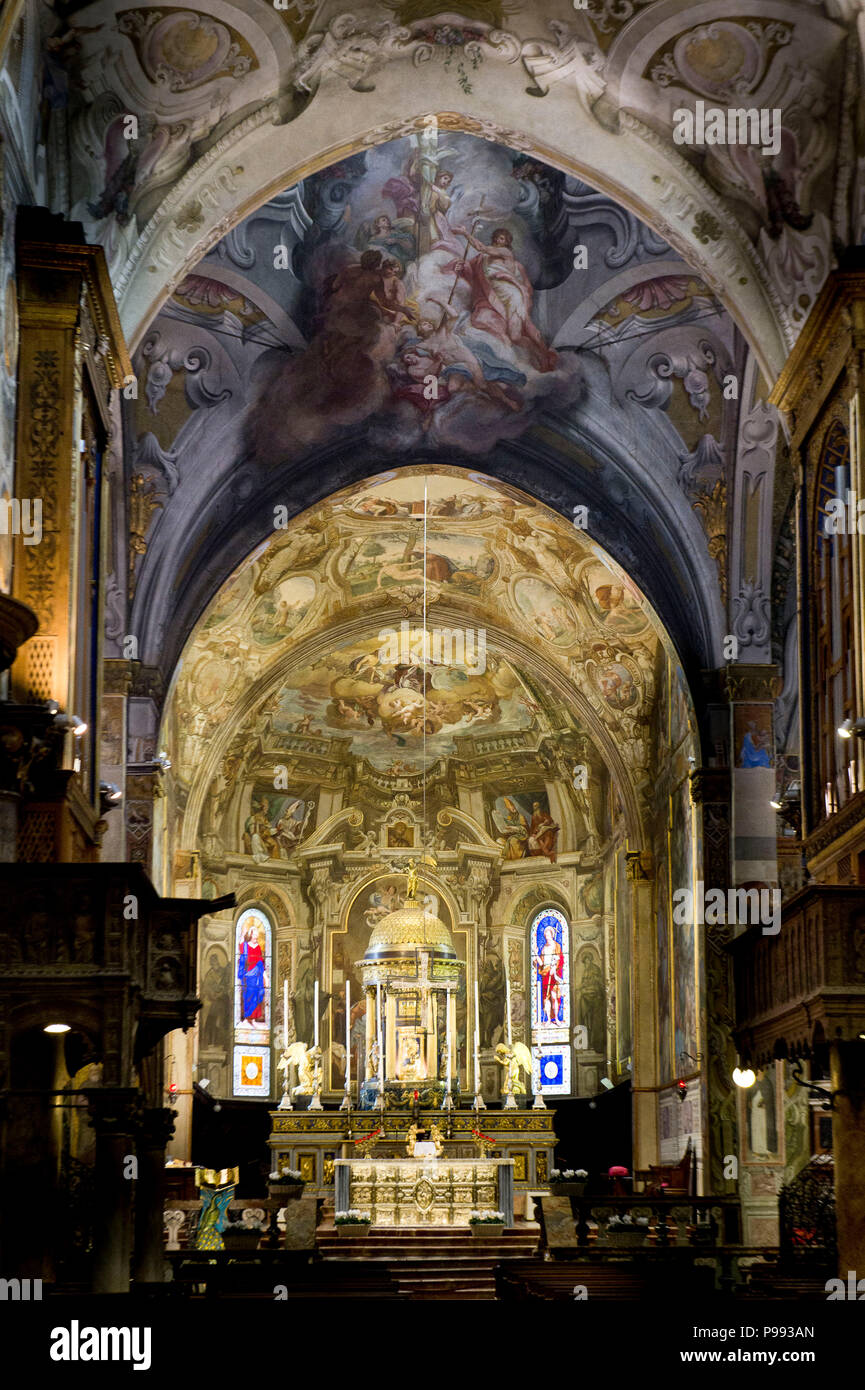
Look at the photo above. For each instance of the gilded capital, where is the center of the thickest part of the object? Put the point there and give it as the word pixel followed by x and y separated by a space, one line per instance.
pixel 639 865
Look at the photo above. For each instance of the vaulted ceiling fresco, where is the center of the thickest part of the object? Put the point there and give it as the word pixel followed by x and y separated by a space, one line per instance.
pixel 437 293
pixel 315 641
pixel 435 255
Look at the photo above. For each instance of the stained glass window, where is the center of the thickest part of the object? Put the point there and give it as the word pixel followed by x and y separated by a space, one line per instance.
pixel 252 1004
pixel 551 968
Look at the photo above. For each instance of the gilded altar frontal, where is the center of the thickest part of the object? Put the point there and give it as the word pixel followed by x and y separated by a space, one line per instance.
pixel 432 664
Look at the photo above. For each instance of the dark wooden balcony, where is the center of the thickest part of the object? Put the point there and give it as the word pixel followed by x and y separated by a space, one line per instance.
pixel 805 986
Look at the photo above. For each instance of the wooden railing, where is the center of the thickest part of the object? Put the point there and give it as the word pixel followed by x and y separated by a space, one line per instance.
pixel 672 1221
pixel 808 982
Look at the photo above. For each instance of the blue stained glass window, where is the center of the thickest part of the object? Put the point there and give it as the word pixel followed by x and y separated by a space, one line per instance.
pixel 551 968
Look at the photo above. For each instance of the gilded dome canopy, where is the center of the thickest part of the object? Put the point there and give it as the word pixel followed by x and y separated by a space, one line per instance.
pixel 407 930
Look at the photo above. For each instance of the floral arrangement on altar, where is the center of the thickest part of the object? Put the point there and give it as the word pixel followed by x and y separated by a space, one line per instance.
pixel 486 1218
pixel 568 1175
pixel 352 1217
pixel 286 1175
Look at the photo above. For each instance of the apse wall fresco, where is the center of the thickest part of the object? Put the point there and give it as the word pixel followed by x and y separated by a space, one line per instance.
pixel 310 752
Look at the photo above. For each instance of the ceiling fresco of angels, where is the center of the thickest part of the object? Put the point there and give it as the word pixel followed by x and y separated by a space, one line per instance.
pixel 493 560
pixel 426 268
pixel 435 291
pixel 432 294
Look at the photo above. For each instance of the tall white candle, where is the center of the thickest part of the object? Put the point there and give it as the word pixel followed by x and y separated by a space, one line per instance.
pixel 508 1000
pixel 315 1011
pixel 285 1013
pixel 477 1040
pixel 347 1034
pixel 379 1037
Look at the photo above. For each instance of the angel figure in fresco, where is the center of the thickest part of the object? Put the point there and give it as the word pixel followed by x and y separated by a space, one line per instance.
pixel 550 967
pixel 472 362
pixel 390 296
pixel 393 237
pixel 252 975
pixel 516 1060
pixel 422 195
pixel 502 296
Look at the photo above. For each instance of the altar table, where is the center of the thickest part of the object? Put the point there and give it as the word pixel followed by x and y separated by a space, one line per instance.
pixel 425 1191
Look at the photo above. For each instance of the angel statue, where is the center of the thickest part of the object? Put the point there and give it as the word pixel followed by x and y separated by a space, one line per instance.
pixel 514 1057
pixel 308 1063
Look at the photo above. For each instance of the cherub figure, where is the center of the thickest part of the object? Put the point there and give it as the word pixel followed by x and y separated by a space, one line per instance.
pixel 308 1063
pixel 515 1058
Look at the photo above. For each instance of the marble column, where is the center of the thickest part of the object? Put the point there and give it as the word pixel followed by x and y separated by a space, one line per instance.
pixel 847 1070
pixel 640 871
pixel 710 793
pixel 155 1128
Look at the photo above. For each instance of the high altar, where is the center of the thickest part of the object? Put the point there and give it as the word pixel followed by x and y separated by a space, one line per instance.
pixel 425 1191
pixel 411 974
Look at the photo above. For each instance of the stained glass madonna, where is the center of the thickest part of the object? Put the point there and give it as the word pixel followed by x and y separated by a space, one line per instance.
pixel 252 1004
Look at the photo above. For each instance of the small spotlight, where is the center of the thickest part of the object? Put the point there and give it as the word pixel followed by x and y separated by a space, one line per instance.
pixel 56 1028
pixel 743 1078
pixel 110 792
pixel 606 1083
pixel 776 805
pixel 845 730
pixel 163 760
pixel 79 726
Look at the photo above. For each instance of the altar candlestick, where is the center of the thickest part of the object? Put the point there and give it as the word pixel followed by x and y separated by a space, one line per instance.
pixel 477 1039
pixel 285 1013
pixel 378 1034
pixel 315 1012
pixel 508 998
pixel 347 1034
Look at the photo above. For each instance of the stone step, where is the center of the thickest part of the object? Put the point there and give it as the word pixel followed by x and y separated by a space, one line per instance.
pixel 340 1249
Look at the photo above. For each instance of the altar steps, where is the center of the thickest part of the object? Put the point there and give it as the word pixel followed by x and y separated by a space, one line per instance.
pixel 431 1263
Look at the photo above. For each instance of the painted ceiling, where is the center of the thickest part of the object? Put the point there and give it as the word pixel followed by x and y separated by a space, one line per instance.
pixel 438 255
pixel 437 295
pixel 296 643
